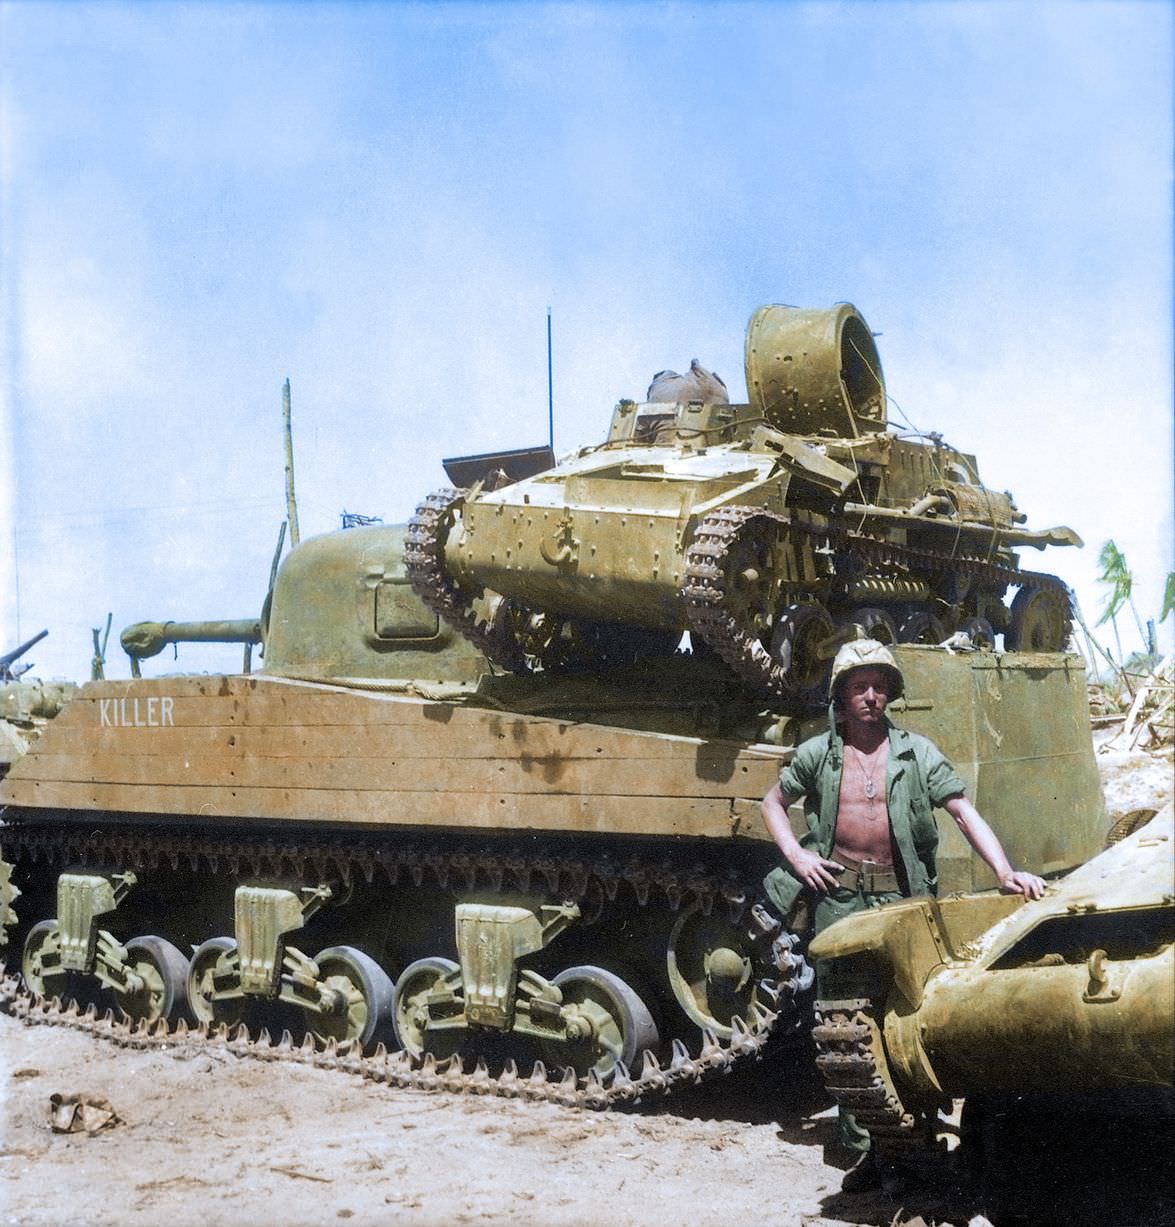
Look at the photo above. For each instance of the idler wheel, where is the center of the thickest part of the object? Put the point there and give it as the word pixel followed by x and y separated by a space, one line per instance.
pixel 797 642
pixel 410 1016
pixel 712 971
pixel 40 962
pixel 921 627
pixel 214 956
pixel 162 973
pixel 362 992
pixel 609 1023
pixel 1040 621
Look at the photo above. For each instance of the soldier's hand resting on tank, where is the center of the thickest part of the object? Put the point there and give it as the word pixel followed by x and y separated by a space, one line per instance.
pixel 1026 884
pixel 815 871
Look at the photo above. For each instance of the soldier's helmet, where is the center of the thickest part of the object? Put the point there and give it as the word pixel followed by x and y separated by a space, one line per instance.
pixel 865 654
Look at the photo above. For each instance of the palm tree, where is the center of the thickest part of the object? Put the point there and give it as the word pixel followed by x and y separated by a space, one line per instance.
pixel 1118 576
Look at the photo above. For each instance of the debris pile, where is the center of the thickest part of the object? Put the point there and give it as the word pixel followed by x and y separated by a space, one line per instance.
pixel 1149 724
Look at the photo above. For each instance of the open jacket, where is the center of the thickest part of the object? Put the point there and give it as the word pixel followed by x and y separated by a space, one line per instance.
pixel 918 777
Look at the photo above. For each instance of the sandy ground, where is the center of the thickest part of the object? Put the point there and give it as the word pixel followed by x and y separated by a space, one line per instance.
pixel 211 1139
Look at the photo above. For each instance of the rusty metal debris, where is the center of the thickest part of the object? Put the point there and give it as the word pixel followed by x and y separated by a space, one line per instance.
pixel 80 1113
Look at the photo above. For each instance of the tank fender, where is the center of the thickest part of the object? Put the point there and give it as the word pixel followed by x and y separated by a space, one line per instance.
pixel 907 940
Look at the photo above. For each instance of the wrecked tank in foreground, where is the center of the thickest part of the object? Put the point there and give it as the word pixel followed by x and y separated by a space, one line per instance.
pixel 1057 1012
pixel 376 841
pixel 759 528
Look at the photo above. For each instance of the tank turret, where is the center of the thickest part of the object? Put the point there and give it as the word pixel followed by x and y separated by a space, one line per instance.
pixel 767 530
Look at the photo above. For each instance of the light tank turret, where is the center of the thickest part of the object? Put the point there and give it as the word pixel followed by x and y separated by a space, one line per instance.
pixel 759 528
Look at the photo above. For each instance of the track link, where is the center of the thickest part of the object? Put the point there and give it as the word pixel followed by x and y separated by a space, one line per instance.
pixel 850 1054
pixel 424 561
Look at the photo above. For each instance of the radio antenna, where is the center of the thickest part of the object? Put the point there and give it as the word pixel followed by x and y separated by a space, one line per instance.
pixel 550 389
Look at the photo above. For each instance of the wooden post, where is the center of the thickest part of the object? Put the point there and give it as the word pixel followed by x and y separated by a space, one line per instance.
pixel 287 430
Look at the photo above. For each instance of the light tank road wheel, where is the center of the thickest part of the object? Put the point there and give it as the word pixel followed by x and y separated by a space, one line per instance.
pixel 40 963
pixel 712 971
pixel 410 1013
pixel 204 1006
pixel 364 993
pixel 980 632
pixel 796 640
pixel 1040 621
pixel 9 893
pixel 163 972
pixel 875 623
pixel 611 1023
pixel 921 627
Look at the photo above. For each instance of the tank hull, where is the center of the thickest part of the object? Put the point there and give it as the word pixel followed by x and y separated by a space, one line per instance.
pixel 984 998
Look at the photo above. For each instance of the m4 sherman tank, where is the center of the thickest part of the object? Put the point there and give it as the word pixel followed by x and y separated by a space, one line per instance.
pixel 375 840
pixel 757 528
pixel 379 840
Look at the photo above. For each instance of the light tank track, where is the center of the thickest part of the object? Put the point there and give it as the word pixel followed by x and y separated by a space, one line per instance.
pixel 707 566
pixel 850 1054
pixel 575 877
pixel 424 561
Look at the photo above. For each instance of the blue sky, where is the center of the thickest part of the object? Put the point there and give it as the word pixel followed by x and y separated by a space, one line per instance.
pixel 380 201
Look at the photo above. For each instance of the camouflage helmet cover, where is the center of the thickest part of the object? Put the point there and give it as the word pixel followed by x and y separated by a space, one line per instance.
pixel 865 654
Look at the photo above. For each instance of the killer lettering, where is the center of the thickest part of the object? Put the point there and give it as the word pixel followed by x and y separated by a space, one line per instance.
pixel 140 712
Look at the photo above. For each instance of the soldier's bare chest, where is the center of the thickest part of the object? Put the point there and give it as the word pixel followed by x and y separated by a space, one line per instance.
pixel 862 823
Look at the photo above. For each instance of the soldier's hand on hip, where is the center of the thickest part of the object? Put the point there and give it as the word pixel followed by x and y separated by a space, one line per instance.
pixel 816 872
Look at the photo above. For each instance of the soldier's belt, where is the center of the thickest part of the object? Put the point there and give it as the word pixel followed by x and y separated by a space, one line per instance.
pixel 869 877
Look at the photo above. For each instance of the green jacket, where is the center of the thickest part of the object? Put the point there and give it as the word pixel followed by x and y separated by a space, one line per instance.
pixel 917 777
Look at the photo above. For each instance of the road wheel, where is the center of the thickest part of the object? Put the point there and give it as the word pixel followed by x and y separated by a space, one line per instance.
pixel 364 993
pixel 410 1017
pixel 609 1024
pixel 163 971
pixel 797 638
pixel 921 627
pixel 1041 621
pixel 40 962
pixel 217 955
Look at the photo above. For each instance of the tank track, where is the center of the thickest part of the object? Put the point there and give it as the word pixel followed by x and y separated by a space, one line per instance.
pixel 850 1054
pixel 574 877
pixel 706 568
pixel 424 560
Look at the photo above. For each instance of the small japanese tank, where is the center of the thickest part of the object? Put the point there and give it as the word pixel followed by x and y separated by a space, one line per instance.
pixel 758 528
pixel 1058 1014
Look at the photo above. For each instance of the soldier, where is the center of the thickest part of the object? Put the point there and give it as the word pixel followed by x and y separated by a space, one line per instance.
pixel 869 788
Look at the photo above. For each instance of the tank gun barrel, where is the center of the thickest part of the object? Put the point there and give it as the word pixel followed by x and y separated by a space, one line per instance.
pixel 144 639
pixel 9 658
